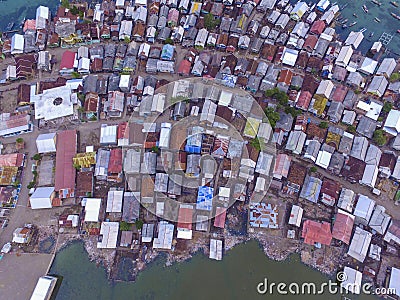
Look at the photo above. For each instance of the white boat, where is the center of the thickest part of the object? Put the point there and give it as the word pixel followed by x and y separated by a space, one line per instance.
pixel 6 248
pixel 363 30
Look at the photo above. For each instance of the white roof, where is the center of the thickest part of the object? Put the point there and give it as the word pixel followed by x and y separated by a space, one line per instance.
pixel 364 207
pixel 41 198
pixel 124 81
pixel 374 110
pixel 17 44
pixel 92 209
pixel 114 201
pixel 359 244
pixel 215 249
pixel 43 288
pixel 109 233
pixel 225 98
pixel 108 134
pixel 346 200
pixel 158 103
pixel 323 159
pixel 46 142
pixel 289 56
pixel 368 66
pixel 47 108
pixel 352 282
pixel 165 234
pixel 394 281
pixel 344 56
pixel 370 175
pixel 295 215
pixel 354 39
pixel 392 124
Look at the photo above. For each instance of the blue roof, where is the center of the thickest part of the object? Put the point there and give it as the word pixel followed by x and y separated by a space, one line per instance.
pixel 204 198
pixel 167 52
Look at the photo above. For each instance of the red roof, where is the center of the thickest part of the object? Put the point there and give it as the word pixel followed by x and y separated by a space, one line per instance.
pixel 310 42
pixel 123 131
pixel 67 60
pixel 12 160
pixel 184 67
pixel 318 27
pixel 185 218
pixel 343 227
pixel 285 76
pixel 115 163
pixel 220 215
pixel 331 188
pixel 316 232
pixel 66 150
pixel 339 93
pixel 304 100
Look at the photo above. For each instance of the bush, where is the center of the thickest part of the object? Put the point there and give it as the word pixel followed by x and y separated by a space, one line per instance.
pixel 293 111
pixel 323 125
pixel 31 185
pixel 256 143
pixel 379 137
pixel 387 107
pixel 37 156
pixel 127 40
pixel 65 3
pixel 395 77
pixel 139 224
pixel 124 226
pixel 19 140
pixel 210 22
pixel 169 41
pixel 313 169
pixel 351 129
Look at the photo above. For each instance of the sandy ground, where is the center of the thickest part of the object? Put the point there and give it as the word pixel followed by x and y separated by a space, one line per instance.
pixel 13 283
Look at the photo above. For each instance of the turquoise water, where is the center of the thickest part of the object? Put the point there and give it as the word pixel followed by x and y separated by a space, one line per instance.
pixel 235 277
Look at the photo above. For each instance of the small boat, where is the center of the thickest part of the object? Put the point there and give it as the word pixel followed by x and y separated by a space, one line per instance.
pixel 371 34
pixel 344 6
pixel 362 30
pixel 395 16
pixel 345 20
pixel 333 4
pixel 376 2
pixel 398 30
pixel 10 26
pixel 365 9
pixel 344 26
pixel 355 15
pixel 394 3
pixel 352 23
pixel 377 20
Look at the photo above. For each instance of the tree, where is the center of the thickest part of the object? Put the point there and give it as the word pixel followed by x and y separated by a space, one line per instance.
pixel 139 224
pixel 124 226
pixel 387 107
pixel 351 128
pixel 379 137
pixel 272 116
pixel 169 41
pixel 75 75
pixel 323 125
pixel 127 39
pixel 293 111
pixel 271 92
pixel 154 149
pixel 19 140
pixel 37 156
pixel 256 144
pixel 65 3
pixel 313 169
pixel 74 10
pixel 210 22
pixel 31 185
pixel 394 77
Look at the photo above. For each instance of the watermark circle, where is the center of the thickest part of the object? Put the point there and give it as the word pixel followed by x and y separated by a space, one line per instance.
pixel 341 276
pixel 198 145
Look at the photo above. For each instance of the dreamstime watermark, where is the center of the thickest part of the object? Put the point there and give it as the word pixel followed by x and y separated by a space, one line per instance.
pixel 341 286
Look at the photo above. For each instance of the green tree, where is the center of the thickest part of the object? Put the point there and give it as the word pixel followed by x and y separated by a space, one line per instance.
pixel 19 140
pixel 139 224
pixel 256 144
pixel 124 226
pixel 169 41
pixel 380 137
pixel 351 128
pixel 387 107
pixel 313 169
pixel 31 185
pixel 210 22
pixel 394 77
pixel 74 10
pixel 272 115
pixel 323 125
pixel 37 156
pixel 127 39
pixel 293 111
pixel 76 75
pixel 155 149
pixel 65 3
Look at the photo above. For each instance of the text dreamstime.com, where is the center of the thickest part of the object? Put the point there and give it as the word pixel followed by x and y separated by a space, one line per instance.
pixel 311 288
